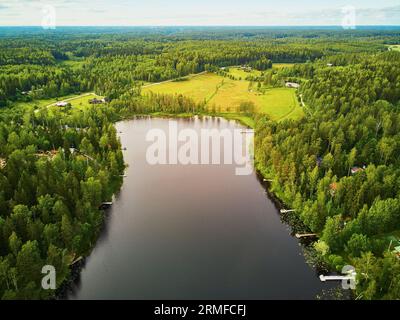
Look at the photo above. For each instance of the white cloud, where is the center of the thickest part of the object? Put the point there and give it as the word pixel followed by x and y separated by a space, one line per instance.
pixel 102 12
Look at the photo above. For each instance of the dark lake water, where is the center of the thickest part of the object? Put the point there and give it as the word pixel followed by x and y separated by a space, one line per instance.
pixel 192 232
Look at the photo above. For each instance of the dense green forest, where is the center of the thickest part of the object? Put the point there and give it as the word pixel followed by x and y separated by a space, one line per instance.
pixel 41 66
pixel 59 168
pixel 338 166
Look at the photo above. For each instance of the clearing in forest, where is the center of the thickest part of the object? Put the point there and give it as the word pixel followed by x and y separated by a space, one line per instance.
pixel 200 88
pixel 241 74
pixel 282 65
pixel 76 101
pixel 395 47
pixel 225 95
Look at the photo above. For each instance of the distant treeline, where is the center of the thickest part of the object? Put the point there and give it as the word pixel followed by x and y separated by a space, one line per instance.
pixel 59 63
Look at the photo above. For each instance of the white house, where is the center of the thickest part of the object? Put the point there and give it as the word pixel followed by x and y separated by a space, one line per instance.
pixel 3 163
pixel 292 85
pixel 61 104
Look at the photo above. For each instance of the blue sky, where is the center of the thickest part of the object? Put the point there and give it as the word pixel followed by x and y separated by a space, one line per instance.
pixel 200 12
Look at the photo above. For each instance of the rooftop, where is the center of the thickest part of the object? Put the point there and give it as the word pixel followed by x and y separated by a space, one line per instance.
pixel 3 163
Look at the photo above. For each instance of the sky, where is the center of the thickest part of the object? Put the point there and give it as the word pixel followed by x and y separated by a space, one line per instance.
pixel 198 13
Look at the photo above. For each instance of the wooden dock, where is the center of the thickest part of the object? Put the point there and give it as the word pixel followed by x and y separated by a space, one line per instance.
pixel 306 235
pixel 76 261
pixel 351 277
pixel 105 205
pixel 287 211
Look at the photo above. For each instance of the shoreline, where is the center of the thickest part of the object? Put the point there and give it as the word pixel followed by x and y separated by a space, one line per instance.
pixel 294 222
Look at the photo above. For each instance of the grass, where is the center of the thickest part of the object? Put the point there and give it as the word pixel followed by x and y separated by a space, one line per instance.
pixel 230 95
pixel 76 101
pixel 81 102
pixel 73 64
pixel 41 103
pixel 280 104
pixel 395 47
pixel 243 119
pixel 282 65
pixel 200 88
pixel 241 74
pixel 224 95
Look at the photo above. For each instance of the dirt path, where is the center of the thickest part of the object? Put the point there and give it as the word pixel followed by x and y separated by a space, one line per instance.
pixel 304 105
pixel 73 98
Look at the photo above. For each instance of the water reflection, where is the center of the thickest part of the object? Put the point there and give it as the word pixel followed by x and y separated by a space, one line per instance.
pixel 192 232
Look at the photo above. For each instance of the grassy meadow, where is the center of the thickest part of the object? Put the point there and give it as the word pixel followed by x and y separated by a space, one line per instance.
pixel 395 47
pixel 200 88
pixel 76 101
pixel 225 95
pixel 282 65
pixel 240 74
pixel 82 101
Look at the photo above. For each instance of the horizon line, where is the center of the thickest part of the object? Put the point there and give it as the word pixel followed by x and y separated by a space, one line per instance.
pixel 211 26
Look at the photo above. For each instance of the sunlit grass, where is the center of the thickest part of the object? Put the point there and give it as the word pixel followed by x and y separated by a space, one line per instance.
pixel 199 88
pixel 282 65
pixel 395 47
pixel 226 95
pixel 240 74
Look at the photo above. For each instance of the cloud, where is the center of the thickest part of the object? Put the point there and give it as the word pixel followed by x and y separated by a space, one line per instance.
pixel 124 12
pixel 333 16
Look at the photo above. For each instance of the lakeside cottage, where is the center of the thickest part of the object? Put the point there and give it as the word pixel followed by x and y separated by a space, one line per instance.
pixel 62 104
pixel 246 68
pixel 355 170
pixel 47 154
pixel 3 163
pixel 98 101
pixel 292 85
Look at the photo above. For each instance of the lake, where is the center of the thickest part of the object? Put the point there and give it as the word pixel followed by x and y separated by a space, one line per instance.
pixel 192 232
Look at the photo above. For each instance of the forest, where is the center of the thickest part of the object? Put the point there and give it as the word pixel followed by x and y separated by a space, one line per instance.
pixel 57 170
pixel 337 166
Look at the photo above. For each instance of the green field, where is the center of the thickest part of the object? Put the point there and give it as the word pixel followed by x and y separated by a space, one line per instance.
pixel 240 74
pixel 40 103
pixel 395 47
pixel 76 101
pixel 226 95
pixel 280 103
pixel 82 101
pixel 200 88
pixel 74 64
pixel 282 65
